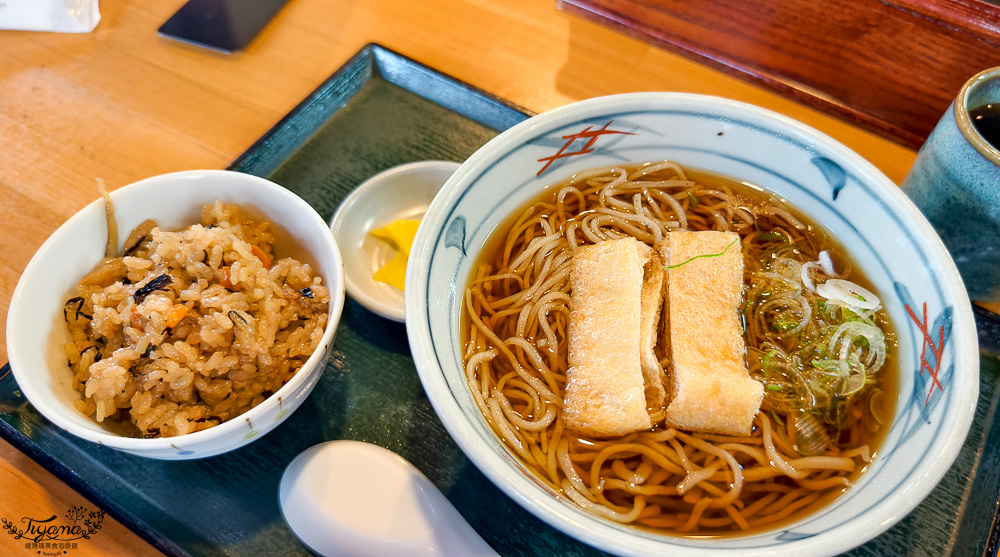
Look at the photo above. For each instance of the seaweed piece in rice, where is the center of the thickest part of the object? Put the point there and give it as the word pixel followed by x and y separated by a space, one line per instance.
pixel 159 283
pixel 77 312
pixel 139 238
pixel 97 356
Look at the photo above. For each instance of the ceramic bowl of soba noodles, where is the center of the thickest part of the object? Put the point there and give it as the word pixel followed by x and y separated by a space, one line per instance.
pixel 192 325
pixel 676 324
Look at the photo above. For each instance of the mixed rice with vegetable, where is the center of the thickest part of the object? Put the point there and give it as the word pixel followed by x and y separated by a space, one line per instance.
pixel 185 330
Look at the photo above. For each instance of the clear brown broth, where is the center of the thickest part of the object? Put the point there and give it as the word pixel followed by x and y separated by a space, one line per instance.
pixel 751 197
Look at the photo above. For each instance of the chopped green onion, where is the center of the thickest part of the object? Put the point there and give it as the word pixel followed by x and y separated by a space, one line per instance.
pixel 853 384
pixel 693 199
pixel 874 405
pixel 784 324
pixel 774 387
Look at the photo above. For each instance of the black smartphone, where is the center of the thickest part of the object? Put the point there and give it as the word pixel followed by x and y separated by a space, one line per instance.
pixel 224 25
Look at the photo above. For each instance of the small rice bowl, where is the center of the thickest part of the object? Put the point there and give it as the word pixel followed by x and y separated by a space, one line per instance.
pixel 190 329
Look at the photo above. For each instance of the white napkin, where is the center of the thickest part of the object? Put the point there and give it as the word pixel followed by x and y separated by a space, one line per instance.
pixel 64 16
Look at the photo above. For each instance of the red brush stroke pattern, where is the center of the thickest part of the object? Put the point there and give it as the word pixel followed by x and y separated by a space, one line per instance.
pixel 589 135
pixel 937 350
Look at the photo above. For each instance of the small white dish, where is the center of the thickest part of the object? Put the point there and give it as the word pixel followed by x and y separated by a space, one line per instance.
pixel 348 498
pixel 401 192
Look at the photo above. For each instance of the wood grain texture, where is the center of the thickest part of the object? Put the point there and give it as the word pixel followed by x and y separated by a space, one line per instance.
pixel 122 104
pixel 893 66
pixel 28 490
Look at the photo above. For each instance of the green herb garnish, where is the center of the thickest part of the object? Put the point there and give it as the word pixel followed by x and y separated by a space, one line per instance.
pixel 693 199
pixel 779 421
pixel 703 255
pixel 774 236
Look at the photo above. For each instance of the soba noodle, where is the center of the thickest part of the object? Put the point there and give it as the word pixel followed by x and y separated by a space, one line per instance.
pixel 817 356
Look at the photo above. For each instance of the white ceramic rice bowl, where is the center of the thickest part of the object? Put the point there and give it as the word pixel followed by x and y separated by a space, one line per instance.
pixel 36 331
pixel 883 231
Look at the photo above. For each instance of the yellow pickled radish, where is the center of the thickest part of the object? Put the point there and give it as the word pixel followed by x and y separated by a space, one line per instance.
pixel 398 234
pixel 393 273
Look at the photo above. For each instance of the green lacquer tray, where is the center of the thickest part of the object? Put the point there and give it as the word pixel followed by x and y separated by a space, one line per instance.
pixel 380 110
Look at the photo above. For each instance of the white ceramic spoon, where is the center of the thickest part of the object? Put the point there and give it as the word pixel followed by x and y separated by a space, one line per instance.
pixel 347 498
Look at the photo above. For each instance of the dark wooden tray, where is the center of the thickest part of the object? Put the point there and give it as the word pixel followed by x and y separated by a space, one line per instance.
pixel 892 66
pixel 380 110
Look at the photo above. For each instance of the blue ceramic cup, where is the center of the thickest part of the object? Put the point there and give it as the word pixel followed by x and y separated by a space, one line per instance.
pixel 955 182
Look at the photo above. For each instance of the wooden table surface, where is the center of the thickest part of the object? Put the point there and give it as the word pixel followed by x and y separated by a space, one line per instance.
pixel 123 104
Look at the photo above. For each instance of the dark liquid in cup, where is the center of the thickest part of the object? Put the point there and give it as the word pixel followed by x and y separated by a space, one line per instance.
pixel 986 119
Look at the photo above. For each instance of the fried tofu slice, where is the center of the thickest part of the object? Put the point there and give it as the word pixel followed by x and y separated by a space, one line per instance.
pixel 612 331
pixel 649 330
pixel 710 386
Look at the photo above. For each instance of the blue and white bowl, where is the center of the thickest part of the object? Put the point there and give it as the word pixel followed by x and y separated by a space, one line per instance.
pixel 883 231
